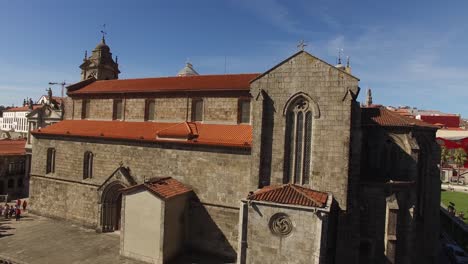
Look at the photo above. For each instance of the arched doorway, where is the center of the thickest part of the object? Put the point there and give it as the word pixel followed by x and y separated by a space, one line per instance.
pixel 111 206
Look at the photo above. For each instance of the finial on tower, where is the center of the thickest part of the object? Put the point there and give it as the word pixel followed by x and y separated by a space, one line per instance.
pixel 369 97
pixel 347 61
pixel 116 59
pixel 85 55
pixel 104 33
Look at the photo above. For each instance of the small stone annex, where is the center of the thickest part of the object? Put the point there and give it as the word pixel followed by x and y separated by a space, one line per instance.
pixel 283 166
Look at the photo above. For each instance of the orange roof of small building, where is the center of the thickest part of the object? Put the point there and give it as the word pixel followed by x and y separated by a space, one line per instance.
pixel 206 134
pixel 290 194
pixel 23 108
pixel 164 188
pixel 380 116
pixel 222 82
pixel 10 147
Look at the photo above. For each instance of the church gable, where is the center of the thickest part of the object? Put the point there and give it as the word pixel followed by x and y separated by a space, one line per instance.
pixel 304 67
pixel 121 174
pixel 302 124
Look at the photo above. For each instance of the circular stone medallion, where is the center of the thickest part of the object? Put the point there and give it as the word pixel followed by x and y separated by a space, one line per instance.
pixel 280 224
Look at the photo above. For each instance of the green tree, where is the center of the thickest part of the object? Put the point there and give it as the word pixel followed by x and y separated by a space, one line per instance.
pixel 459 158
pixel 445 155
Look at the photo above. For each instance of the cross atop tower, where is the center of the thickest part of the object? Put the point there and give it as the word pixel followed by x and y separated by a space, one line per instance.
pixel 104 33
pixel 340 50
pixel 301 45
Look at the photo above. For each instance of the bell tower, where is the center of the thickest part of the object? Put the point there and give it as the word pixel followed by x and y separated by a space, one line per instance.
pixel 100 64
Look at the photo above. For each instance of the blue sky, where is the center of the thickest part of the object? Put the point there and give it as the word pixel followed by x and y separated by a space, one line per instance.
pixel 409 52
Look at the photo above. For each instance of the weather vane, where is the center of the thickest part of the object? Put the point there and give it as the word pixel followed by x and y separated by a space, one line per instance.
pixel 301 45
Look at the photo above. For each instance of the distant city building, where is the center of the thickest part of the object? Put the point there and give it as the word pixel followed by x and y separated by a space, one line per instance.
pixel 14 180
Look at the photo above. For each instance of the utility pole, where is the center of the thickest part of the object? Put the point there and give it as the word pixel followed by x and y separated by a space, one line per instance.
pixel 61 83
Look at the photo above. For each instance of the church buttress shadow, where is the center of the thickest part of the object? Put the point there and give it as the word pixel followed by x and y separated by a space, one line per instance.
pixel 204 234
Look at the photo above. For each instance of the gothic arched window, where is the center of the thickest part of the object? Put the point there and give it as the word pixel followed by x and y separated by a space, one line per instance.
pixel 50 168
pixel 298 142
pixel 88 165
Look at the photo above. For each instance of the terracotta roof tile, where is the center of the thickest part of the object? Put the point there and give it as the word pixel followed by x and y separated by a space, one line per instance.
pixel 12 147
pixel 23 108
pixel 379 116
pixel 224 82
pixel 165 188
pixel 183 130
pixel 203 134
pixel 290 194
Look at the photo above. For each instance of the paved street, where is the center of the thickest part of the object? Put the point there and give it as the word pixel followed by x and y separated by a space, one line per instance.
pixel 457 188
pixel 39 240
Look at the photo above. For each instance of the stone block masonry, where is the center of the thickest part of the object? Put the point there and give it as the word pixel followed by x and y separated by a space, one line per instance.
pixel 217 176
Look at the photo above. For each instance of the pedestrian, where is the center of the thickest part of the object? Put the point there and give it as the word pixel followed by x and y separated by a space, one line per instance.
pixel 18 202
pixel 12 211
pixel 7 211
pixel 24 205
pixel 18 213
pixel 1 209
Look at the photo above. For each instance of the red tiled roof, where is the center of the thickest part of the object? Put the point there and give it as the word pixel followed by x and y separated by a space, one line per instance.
pixel 164 188
pixel 183 130
pixel 12 147
pixel 379 116
pixel 207 134
pixel 22 108
pixel 225 82
pixel 290 194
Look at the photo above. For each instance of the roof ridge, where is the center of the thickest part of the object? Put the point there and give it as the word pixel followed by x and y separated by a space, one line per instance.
pixel 406 119
pixel 186 77
pixel 296 188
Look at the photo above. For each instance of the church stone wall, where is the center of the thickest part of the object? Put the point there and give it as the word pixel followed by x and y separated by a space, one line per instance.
pixel 101 109
pixel 167 109
pixel 305 244
pixel 221 110
pixel 64 200
pixel 77 107
pixel 217 176
pixel 68 108
pixel 172 109
pixel 134 109
pixel 331 91
pixel 328 87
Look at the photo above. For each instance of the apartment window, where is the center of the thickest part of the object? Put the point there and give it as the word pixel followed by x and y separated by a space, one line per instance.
pixel 50 160
pixel 298 142
pixel 20 182
pixel 149 110
pixel 11 183
pixel 85 109
pixel 243 111
pixel 88 165
pixel 197 109
pixel 118 109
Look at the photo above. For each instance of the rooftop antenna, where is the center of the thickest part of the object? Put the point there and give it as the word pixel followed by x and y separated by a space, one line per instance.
pixel 104 33
pixel 301 45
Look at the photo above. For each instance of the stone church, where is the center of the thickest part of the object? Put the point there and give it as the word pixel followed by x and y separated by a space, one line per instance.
pixel 283 166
